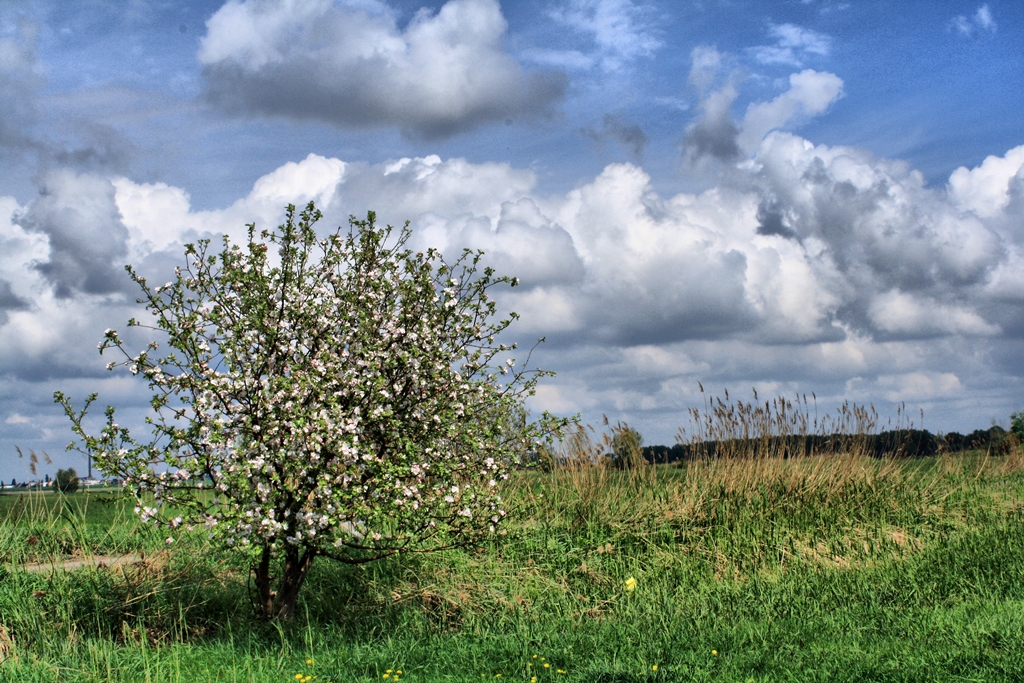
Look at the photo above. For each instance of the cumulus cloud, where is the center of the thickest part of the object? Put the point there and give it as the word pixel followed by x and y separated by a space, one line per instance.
pixel 793 45
pixel 87 240
pixel 903 261
pixel 810 94
pixel 714 133
pixel 42 335
pixel 898 312
pixel 810 265
pixel 804 244
pixel 912 386
pixel 350 65
pixel 9 301
pixel 988 189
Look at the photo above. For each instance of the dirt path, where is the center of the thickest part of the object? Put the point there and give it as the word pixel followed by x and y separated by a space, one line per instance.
pixel 111 561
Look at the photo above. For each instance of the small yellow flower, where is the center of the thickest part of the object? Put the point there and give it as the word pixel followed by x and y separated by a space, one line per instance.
pixel 309 661
pixel 546 665
pixel 535 656
pixel 298 677
pixel 533 679
pixel 399 672
pixel 561 671
pixel 714 652
pixel 630 584
pixel 654 668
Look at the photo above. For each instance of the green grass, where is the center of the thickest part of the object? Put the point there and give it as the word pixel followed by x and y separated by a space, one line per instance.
pixel 829 569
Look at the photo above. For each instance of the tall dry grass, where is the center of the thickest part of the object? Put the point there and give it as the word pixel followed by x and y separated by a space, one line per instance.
pixel 779 456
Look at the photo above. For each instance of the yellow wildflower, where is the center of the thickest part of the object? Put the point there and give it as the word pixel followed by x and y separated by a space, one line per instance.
pixel 714 652
pixel 630 584
pixel 654 668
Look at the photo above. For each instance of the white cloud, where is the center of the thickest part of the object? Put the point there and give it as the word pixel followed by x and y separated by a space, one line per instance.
pixel 793 45
pixel 903 313
pixel 620 30
pixel 806 244
pixel 983 18
pixel 44 335
pixel 87 240
pixel 985 189
pixel 809 266
pixel 570 60
pixel 920 386
pixel 443 73
pixel 554 400
pixel 714 133
pixel 981 21
pixel 810 94
pixel 705 66
pixel 16 419
pixel 901 259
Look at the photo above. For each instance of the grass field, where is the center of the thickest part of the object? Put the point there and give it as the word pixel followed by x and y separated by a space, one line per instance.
pixel 837 568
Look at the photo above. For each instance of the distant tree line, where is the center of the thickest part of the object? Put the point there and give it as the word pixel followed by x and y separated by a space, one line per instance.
pixel 901 443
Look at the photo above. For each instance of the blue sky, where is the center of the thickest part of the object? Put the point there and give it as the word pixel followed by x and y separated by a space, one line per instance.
pixel 793 196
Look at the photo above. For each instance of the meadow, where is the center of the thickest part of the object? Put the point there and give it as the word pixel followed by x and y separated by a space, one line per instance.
pixel 837 567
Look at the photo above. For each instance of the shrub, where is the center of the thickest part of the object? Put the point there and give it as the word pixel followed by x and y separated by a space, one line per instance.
pixel 66 481
pixel 627 448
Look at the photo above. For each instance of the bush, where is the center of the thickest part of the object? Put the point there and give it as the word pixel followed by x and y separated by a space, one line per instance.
pixel 66 481
pixel 1017 424
pixel 627 448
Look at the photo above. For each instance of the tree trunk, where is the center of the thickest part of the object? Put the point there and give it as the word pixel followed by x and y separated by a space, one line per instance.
pixel 265 594
pixel 280 604
pixel 296 565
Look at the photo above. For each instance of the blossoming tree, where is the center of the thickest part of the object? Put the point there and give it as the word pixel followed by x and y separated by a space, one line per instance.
pixel 344 397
